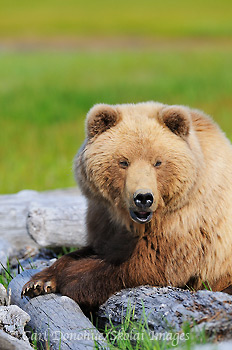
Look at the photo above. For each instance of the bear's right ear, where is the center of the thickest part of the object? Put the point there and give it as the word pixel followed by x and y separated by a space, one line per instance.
pixel 101 118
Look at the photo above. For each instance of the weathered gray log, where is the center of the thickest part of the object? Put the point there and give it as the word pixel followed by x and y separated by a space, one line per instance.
pixel 58 222
pixel 13 320
pixel 12 323
pixel 169 307
pixel 6 250
pixel 13 222
pixel 56 319
pixel 8 342
pixel 225 345
pixel 30 219
pixel 4 300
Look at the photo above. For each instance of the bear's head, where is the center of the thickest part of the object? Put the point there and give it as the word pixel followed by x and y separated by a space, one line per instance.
pixel 138 159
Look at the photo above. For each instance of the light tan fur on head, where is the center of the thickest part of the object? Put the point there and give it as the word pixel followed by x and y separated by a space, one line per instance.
pixel 139 135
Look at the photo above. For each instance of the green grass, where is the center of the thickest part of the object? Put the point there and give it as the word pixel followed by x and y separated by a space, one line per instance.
pixel 44 98
pixel 6 275
pixel 134 334
pixel 165 18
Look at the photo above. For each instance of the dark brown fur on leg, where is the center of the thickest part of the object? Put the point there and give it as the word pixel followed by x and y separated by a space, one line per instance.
pixel 90 281
pixel 46 281
pixel 228 290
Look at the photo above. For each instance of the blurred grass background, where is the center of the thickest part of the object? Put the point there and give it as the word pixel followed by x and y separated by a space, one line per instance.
pixel 58 58
pixel 170 18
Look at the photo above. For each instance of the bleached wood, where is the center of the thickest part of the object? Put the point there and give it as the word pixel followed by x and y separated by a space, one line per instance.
pixel 8 342
pixel 32 219
pixel 13 219
pixel 56 319
pixel 58 222
pixel 165 307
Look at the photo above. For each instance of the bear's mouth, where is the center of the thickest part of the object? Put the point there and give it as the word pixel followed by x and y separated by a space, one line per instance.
pixel 141 217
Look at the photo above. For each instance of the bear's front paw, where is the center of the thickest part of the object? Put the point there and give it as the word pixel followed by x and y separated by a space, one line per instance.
pixel 38 286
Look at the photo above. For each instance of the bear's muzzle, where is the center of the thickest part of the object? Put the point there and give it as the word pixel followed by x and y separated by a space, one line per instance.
pixel 143 200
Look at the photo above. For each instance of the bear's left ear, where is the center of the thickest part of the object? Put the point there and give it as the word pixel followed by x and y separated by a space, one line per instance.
pixel 177 119
pixel 101 118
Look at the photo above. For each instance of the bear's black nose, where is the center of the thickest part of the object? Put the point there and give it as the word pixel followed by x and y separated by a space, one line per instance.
pixel 143 199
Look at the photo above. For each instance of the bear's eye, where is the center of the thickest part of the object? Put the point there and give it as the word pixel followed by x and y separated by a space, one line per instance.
pixel 158 163
pixel 124 164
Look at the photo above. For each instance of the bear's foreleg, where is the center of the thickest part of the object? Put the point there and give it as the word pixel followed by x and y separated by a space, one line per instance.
pixel 45 282
pixel 90 282
pixel 81 276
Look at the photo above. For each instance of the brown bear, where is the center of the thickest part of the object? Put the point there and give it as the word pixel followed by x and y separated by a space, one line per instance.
pixel 158 180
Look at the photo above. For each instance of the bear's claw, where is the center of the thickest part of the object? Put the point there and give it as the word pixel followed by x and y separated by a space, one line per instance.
pixel 48 287
pixel 38 287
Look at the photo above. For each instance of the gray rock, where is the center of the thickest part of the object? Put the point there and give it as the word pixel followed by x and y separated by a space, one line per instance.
pixel 168 308
pixel 38 264
pixel 24 256
pixel 44 258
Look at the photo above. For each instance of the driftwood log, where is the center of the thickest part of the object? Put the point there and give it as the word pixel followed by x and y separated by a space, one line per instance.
pixel 56 320
pixel 13 223
pixel 8 342
pixel 13 320
pixel 225 345
pixel 29 220
pixel 58 221
pixel 168 308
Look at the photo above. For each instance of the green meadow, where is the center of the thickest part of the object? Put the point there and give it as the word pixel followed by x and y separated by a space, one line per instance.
pixel 170 18
pixel 44 98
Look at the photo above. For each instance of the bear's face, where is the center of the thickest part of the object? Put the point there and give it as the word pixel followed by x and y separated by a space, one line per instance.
pixel 138 159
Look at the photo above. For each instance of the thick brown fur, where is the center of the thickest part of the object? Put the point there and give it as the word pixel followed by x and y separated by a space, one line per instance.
pixel 184 159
